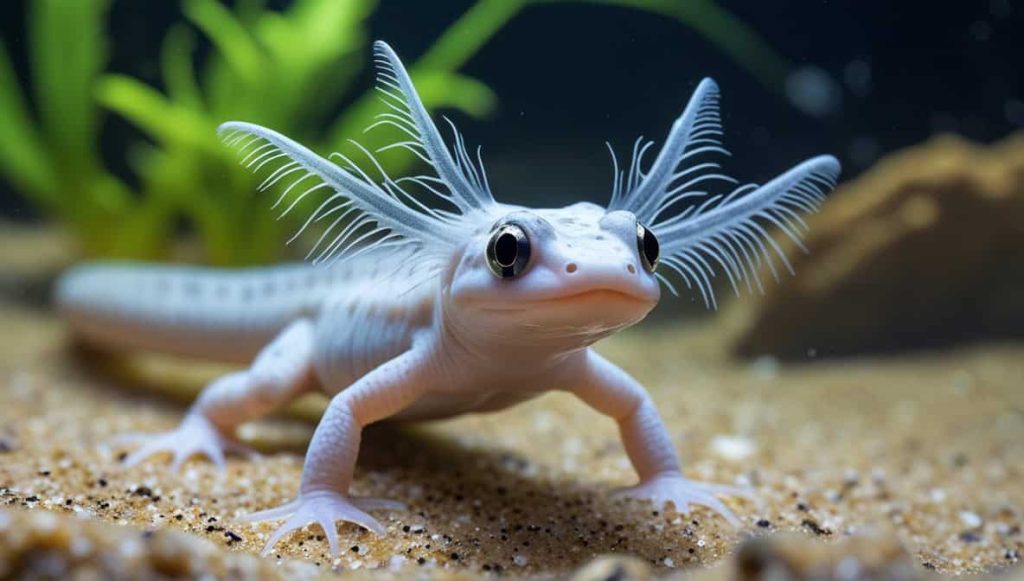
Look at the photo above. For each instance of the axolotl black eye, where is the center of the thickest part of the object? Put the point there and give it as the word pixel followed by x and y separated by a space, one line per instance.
pixel 508 251
pixel 648 248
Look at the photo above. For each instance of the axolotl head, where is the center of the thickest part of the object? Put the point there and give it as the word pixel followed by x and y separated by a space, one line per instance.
pixel 571 274
pixel 548 277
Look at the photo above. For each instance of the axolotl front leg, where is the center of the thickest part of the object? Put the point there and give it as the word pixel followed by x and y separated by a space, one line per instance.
pixel 330 460
pixel 614 393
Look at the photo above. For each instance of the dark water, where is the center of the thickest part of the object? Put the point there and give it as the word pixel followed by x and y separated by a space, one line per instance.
pixel 858 80
pixel 570 76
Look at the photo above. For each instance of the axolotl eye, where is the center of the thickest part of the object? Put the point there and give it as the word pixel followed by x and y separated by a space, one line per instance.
pixel 648 248
pixel 508 251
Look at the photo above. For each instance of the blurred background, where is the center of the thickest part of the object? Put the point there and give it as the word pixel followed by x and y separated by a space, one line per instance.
pixel 108 110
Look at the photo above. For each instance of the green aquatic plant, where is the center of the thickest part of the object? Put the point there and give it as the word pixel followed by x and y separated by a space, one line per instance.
pixel 286 69
pixel 52 157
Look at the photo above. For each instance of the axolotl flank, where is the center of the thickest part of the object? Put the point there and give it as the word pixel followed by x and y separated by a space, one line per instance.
pixel 426 298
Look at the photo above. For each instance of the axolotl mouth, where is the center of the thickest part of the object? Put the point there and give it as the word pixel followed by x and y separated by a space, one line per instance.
pixel 593 298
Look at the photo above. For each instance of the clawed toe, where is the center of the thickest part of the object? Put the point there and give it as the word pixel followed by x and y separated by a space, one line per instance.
pixel 196 436
pixel 682 494
pixel 271 513
pixel 325 509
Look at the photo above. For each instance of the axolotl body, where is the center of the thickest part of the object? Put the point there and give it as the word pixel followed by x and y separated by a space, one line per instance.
pixel 418 310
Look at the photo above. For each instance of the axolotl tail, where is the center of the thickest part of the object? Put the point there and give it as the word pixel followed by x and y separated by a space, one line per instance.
pixel 202 312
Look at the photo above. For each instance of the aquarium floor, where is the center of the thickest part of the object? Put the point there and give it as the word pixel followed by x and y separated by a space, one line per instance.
pixel 928 449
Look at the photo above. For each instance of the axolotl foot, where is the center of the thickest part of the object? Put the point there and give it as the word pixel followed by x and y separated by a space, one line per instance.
pixel 325 508
pixel 196 435
pixel 674 489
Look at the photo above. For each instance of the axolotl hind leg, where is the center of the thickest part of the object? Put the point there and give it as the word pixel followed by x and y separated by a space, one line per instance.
pixel 281 372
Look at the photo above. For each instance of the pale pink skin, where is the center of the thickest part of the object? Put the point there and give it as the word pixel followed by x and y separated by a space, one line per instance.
pixel 469 341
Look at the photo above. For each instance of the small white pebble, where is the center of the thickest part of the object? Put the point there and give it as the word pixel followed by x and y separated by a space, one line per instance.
pixel 668 562
pixel 970 519
pixel 938 495
pixel 849 568
pixel 45 522
pixel 520 560
pixel 395 562
pixel 733 448
pixel 130 548
pixel 81 547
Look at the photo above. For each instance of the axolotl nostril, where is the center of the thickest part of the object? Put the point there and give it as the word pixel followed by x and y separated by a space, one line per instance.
pixel 428 298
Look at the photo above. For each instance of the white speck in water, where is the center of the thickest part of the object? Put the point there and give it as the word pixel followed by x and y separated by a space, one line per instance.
pixel 520 560
pixel 812 352
pixel 938 495
pixel 812 90
pixel 668 562
pixel 733 448
pixel 970 519
pixel 857 76
pixel 395 562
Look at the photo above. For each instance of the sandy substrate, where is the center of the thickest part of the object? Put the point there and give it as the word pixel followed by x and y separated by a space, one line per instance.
pixel 924 453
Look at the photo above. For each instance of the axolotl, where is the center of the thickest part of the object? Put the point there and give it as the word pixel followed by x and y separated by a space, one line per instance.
pixel 426 298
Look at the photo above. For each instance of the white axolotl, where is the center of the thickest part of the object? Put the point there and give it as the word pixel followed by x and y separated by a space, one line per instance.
pixel 436 300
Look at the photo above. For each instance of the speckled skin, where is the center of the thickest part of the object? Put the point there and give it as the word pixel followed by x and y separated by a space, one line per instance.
pixel 470 342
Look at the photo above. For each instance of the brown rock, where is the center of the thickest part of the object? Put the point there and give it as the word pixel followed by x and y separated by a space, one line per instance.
pixel 926 248
pixel 613 568
pixel 795 556
pixel 48 545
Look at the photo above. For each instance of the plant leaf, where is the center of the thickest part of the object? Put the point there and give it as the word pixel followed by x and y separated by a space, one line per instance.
pixel 23 156
pixel 68 51
pixel 152 112
pixel 233 41
pixel 178 73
